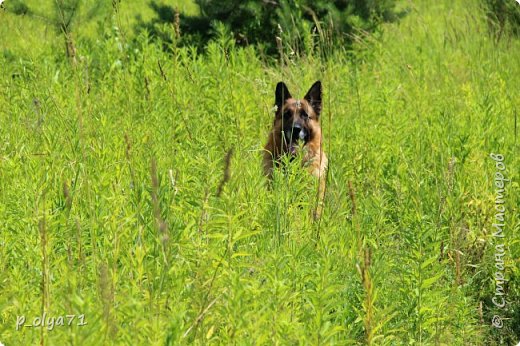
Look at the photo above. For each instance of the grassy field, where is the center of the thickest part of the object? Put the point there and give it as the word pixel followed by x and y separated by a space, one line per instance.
pixel 115 205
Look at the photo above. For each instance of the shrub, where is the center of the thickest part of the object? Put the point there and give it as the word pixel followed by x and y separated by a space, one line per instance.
pixel 297 22
pixel 503 15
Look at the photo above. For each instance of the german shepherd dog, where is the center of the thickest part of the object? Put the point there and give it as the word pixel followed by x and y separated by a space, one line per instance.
pixel 297 125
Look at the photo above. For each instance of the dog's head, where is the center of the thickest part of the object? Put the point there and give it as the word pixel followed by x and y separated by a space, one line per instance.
pixel 297 121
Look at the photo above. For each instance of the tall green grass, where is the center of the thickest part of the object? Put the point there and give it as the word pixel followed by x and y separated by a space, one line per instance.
pixel 110 169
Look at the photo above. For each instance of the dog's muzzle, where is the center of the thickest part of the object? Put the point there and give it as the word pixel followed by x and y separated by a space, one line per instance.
pixel 295 134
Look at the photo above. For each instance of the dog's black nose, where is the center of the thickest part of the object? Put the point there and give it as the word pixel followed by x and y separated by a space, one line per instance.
pixel 296 132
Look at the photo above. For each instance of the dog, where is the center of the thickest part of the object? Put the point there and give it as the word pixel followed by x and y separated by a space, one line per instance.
pixel 297 125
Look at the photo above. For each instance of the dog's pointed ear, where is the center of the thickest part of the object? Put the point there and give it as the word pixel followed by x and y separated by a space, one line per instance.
pixel 314 97
pixel 281 94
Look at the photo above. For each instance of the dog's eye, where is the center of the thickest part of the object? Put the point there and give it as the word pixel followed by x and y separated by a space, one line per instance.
pixel 304 115
pixel 287 115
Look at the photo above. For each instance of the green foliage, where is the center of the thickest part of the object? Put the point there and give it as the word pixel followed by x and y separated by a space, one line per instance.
pixel 119 200
pixel 504 15
pixel 63 15
pixel 18 7
pixel 300 24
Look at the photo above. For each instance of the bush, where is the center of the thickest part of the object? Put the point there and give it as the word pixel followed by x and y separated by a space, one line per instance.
pixel 299 23
pixel 503 16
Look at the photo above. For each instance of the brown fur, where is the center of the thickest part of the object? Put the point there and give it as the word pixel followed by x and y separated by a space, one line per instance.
pixel 304 113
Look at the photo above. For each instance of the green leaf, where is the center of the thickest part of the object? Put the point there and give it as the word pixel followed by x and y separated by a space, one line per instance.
pixel 429 282
pixel 429 261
